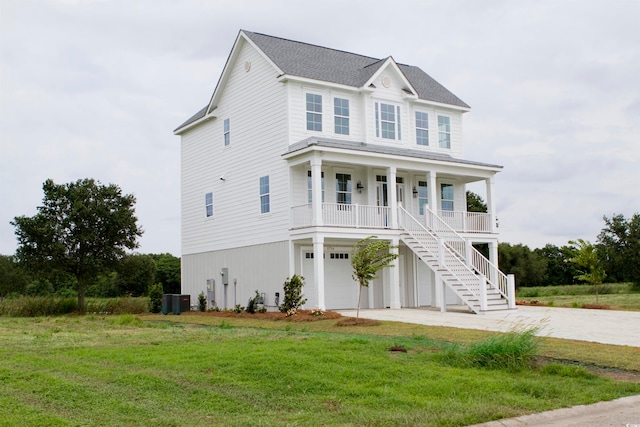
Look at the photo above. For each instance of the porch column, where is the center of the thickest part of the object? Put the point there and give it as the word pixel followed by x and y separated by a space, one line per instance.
pixel 394 277
pixel 318 268
pixel 493 258
pixel 393 199
pixel 316 190
pixel 491 204
pixel 493 253
pixel 432 192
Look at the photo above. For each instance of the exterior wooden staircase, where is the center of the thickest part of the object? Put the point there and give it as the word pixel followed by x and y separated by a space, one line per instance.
pixel 478 282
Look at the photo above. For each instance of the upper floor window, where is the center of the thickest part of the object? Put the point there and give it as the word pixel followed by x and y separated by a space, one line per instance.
pixel 341 118
pixel 387 121
pixel 227 135
pixel 444 131
pixel 422 128
pixel 314 112
pixel 423 196
pixel 446 197
pixel 265 205
pixel 208 204
pixel 309 184
pixel 343 188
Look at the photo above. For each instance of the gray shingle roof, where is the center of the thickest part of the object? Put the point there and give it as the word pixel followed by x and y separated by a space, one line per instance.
pixel 336 66
pixel 379 149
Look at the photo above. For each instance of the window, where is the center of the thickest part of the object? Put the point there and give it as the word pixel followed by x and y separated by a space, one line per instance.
pixel 446 196
pixel 264 194
pixel 423 196
pixel 422 128
pixel 444 131
pixel 208 204
pixel 387 121
pixel 341 111
pixel 314 112
pixel 339 256
pixel 309 192
pixel 343 188
pixel 227 135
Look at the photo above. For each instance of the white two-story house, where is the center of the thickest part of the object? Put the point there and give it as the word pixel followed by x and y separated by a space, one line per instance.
pixel 304 150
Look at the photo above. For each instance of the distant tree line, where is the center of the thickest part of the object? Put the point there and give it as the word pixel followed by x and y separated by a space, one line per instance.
pixel 75 245
pixel 132 275
pixel 617 249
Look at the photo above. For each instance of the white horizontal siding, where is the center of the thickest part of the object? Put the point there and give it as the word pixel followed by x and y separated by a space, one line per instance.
pixel 258 129
pixel 260 267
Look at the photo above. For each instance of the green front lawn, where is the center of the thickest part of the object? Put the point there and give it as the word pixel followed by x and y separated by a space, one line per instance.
pixel 110 370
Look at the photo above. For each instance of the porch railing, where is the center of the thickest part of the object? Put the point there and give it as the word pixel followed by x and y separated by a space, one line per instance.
pixel 466 221
pixel 343 215
pixel 366 216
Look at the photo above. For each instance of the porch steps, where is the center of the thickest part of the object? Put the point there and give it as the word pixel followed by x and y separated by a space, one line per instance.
pixel 452 268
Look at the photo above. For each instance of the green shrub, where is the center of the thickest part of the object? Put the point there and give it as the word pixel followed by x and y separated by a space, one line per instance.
pixel 155 298
pixel 202 302
pixel 293 298
pixel 511 351
pixel 252 304
pixel 238 309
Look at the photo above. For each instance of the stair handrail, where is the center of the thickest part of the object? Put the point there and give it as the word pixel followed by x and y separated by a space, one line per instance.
pixel 403 214
pixel 496 278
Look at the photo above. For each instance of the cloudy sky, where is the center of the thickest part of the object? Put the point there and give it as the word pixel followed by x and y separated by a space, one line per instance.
pixel 92 88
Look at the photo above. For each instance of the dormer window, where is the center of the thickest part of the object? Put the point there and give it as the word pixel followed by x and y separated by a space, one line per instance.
pixel 387 121
pixel 314 112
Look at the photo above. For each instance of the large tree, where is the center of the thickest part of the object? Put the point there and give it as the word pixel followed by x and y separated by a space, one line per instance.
pixel 168 272
pixel 82 228
pixel 619 248
pixel 475 203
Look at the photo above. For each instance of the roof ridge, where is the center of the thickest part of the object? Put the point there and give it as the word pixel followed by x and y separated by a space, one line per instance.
pixel 314 45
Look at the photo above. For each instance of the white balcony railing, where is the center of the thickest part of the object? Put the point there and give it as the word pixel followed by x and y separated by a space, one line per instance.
pixel 365 216
pixel 342 215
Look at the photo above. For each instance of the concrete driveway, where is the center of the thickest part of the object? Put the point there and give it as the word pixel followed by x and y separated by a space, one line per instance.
pixel 603 326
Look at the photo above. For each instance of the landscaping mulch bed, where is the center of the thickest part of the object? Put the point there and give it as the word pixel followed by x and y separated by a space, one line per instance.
pixel 301 316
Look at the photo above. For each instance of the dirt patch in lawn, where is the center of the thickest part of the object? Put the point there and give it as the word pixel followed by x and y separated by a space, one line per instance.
pixel 613 373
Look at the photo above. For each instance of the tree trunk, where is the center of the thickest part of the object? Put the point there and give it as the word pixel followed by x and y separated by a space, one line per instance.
pixel 359 295
pixel 82 285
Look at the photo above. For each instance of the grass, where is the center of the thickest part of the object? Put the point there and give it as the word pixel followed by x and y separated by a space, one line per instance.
pixel 618 296
pixel 28 306
pixel 170 371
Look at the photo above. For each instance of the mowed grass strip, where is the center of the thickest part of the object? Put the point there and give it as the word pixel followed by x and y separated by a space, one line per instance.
pixel 120 371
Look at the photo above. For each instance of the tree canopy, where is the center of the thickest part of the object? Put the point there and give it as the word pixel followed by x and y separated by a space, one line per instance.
pixel 83 228
pixel 370 256
pixel 475 203
pixel 618 248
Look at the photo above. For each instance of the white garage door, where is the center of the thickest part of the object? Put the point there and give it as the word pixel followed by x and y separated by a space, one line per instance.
pixel 340 291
